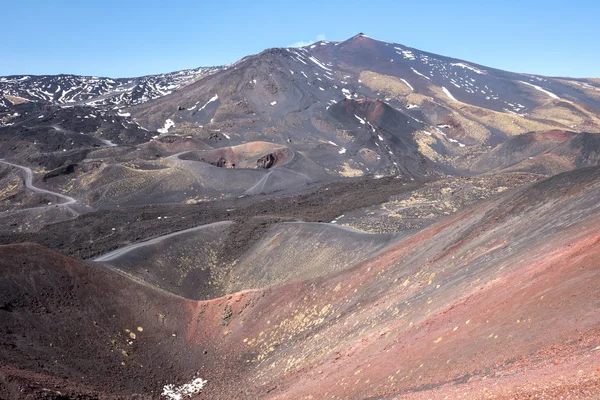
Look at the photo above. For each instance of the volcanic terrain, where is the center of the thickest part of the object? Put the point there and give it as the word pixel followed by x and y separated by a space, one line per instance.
pixel 344 220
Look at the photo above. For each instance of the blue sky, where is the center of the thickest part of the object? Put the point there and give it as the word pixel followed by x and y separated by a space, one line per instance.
pixel 132 38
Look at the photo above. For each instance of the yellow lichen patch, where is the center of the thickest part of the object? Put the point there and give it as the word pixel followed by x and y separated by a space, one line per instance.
pixel 140 329
pixel 417 99
pixel 297 323
pixel 389 85
pixel 132 335
pixel 348 171
pixel 431 278
pixel 567 114
pixel 368 155
pixel 425 143
pixel 16 99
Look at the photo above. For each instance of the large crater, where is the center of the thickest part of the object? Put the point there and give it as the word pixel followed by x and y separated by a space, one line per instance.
pixel 253 155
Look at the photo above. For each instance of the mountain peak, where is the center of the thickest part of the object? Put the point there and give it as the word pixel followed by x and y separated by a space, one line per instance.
pixel 361 37
pixel 362 40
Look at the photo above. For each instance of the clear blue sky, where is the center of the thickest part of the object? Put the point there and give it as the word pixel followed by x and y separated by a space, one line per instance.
pixel 131 38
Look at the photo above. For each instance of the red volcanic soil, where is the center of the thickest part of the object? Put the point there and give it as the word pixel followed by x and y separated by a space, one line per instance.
pixel 261 155
pixel 497 301
pixel 479 297
pixel 360 49
pixel 369 109
pixel 81 330
pixel 555 135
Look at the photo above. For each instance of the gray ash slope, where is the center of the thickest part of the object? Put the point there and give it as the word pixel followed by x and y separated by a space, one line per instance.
pixel 468 82
pixel 51 136
pixel 94 90
pixel 283 83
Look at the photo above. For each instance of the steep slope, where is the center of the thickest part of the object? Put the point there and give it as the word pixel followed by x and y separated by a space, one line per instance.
pixel 476 101
pixel 77 329
pixel 496 301
pixel 547 153
pixel 456 308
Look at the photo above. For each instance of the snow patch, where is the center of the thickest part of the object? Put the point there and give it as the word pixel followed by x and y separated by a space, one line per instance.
pixel 407 54
pixel 467 66
pixel 313 59
pixel 420 74
pixel 448 94
pixel 214 98
pixel 407 84
pixel 189 389
pixel 362 121
pixel 536 87
pixel 168 124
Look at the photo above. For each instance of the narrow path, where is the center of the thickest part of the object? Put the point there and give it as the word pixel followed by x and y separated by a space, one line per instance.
pixel 28 181
pixel 119 252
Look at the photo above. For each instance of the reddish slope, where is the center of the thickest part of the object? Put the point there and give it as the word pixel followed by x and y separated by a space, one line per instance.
pixel 499 300
pixel 64 327
pixel 508 287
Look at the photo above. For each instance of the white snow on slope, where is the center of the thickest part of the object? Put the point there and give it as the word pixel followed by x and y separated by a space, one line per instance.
pixel 467 66
pixel 168 124
pixel 407 84
pixel 418 73
pixel 536 87
pixel 362 121
pixel 214 98
pixel 448 94
pixel 313 59
pixel 190 389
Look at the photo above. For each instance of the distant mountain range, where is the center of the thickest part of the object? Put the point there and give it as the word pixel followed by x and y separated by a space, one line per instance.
pixel 94 90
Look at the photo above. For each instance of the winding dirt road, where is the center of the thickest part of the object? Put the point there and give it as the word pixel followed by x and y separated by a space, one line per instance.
pixel 119 252
pixel 28 181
